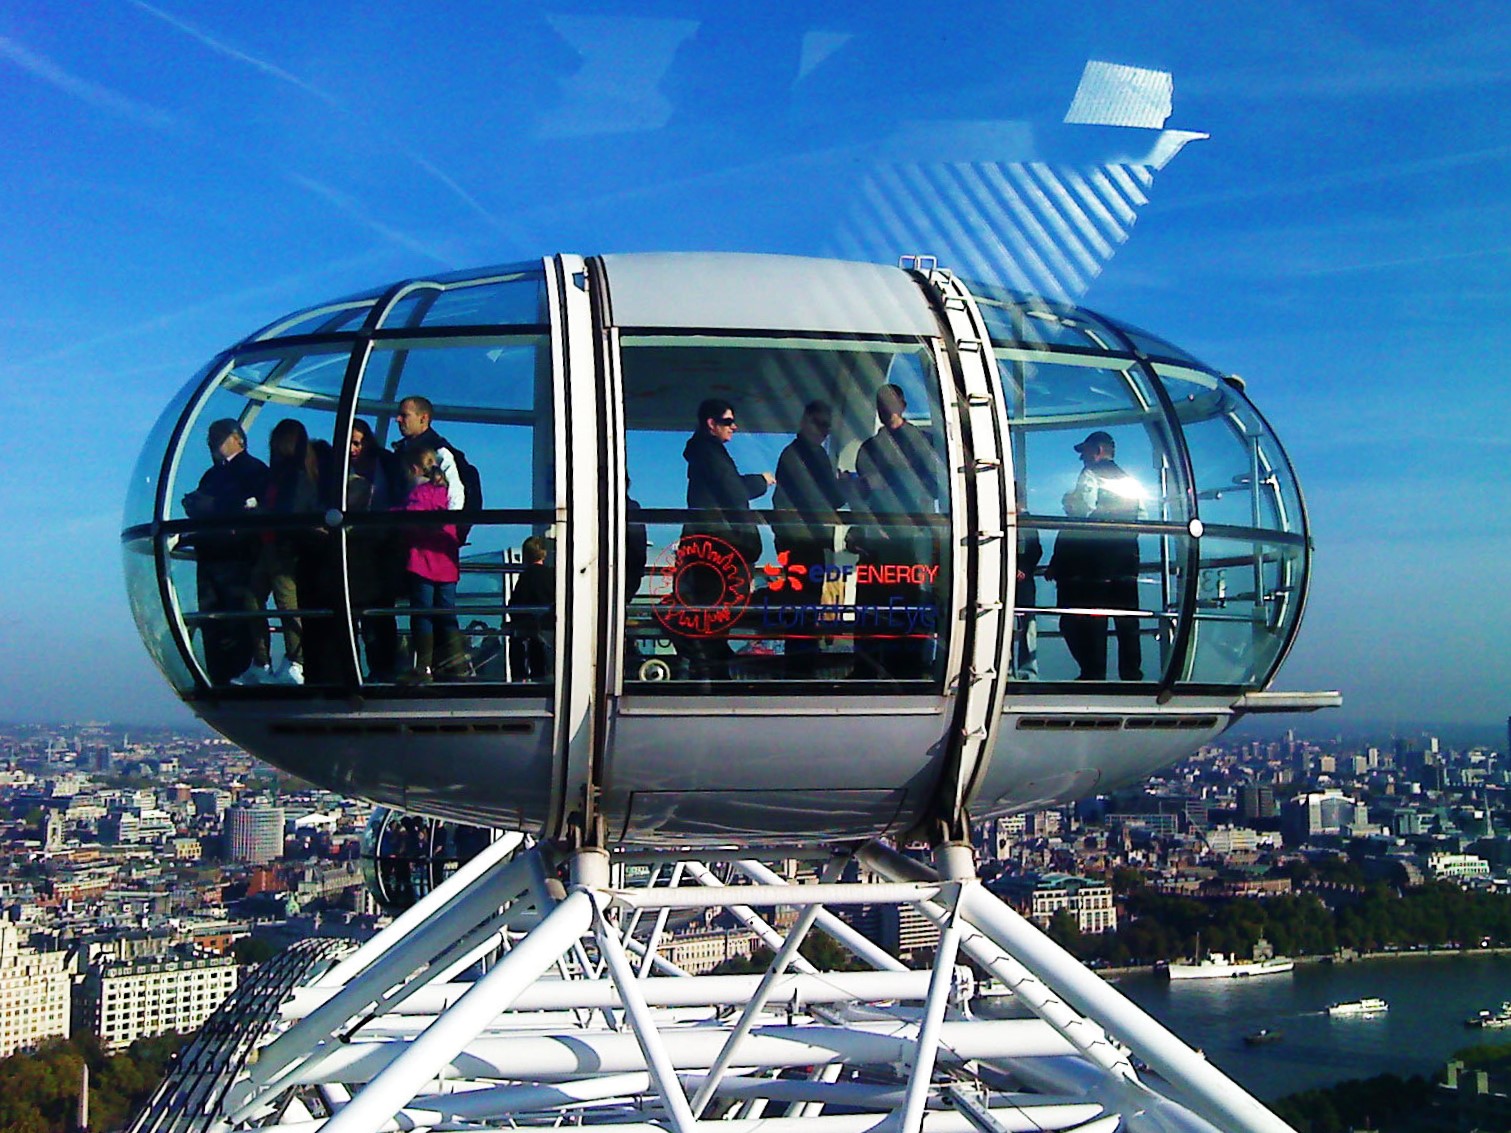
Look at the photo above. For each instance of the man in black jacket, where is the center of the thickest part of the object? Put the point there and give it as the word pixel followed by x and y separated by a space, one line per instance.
pixel 716 488
pixel 807 501
pixel 234 484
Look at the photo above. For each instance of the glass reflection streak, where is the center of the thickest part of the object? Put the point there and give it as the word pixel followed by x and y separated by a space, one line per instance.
pixel 865 621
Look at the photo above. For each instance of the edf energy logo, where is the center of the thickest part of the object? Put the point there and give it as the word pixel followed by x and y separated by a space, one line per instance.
pixel 710 586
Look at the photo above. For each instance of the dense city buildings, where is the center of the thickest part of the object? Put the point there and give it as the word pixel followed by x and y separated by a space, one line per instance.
pixel 136 867
pixel 137 870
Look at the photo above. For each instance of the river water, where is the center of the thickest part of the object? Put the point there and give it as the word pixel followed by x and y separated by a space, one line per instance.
pixel 1429 998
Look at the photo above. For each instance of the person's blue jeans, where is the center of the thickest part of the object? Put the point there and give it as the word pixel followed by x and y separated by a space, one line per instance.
pixel 426 595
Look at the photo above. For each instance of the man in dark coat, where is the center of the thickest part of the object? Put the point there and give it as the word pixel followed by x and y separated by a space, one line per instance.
pixel 900 476
pixel 807 501
pixel 233 485
pixel 716 488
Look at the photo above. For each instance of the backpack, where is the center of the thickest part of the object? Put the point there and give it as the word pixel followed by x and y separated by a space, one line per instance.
pixel 472 485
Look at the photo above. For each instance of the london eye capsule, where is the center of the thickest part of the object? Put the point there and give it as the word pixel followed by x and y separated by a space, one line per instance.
pixel 1016 552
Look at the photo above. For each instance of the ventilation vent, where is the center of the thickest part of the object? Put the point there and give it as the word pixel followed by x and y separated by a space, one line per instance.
pixel 403 728
pixel 1116 723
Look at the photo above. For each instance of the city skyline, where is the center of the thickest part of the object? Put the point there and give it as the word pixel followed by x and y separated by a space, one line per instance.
pixel 1340 241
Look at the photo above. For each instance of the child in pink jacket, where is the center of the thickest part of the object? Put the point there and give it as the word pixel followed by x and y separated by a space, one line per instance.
pixel 433 565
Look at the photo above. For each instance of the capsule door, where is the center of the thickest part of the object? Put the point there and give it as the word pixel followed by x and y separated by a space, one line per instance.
pixel 788 559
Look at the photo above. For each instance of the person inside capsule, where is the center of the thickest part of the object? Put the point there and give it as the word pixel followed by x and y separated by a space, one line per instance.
pixel 807 501
pixel 234 484
pixel 530 613
pixel 288 559
pixel 433 567
pixel 1098 570
pixel 716 488
pixel 899 477
pixel 375 483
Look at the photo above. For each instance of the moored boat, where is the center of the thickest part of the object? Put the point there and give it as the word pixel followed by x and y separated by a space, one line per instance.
pixel 1264 1035
pixel 1220 966
pixel 1488 1018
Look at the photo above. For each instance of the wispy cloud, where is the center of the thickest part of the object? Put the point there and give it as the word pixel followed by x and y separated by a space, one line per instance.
pixel 274 71
pixel 90 93
pixel 1373 175
pixel 263 65
pixel 78 347
pixel 350 207
pixel 1393 263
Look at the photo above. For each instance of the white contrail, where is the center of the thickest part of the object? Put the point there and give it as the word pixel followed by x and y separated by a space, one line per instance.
pixel 349 206
pixel 226 49
pixel 274 71
pixel 102 98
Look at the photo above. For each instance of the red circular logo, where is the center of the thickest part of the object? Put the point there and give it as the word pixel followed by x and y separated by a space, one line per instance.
pixel 709 586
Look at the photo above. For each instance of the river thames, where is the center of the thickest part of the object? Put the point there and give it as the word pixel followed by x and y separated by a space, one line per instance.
pixel 1429 997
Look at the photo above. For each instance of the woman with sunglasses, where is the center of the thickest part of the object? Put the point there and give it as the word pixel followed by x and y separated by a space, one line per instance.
pixel 717 489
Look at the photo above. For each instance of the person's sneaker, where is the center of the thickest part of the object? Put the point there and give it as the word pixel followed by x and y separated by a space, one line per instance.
pixel 255 675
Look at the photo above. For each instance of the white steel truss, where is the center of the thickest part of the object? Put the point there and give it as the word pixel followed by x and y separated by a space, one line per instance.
pixel 506 998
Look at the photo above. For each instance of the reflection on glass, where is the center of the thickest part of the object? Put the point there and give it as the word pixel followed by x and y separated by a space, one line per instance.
pixel 705 612
pixel 844 574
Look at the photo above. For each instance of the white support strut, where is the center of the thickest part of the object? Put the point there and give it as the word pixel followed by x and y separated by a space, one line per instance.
pixel 560 1026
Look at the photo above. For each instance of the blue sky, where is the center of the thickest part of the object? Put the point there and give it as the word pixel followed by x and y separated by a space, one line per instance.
pixel 173 176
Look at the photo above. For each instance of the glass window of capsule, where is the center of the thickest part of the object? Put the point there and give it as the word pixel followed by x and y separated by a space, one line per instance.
pixel 1160 530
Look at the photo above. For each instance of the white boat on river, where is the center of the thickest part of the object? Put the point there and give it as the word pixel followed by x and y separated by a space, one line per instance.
pixel 1220 966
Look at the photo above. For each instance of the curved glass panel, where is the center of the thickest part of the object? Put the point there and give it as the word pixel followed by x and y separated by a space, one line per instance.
pixel 1156 347
pixel 1030 320
pixel 255 472
pixel 1248 595
pixel 1056 406
pixel 141 494
pixel 1092 445
pixel 1242 477
pixel 453 592
pixel 844 572
pixel 513 300
pixel 328 318
pixel 147 608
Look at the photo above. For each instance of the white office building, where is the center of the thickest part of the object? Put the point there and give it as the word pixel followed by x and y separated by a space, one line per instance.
pixel 34 993
pixel 126 1000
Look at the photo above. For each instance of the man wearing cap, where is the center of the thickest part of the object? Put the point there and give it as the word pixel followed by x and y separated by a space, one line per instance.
pixel 234 484
pixel 1098 570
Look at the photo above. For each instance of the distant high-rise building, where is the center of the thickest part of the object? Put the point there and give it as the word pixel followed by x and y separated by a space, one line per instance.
pixel 1256 800
pixel 1323 812
pixel 254 832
